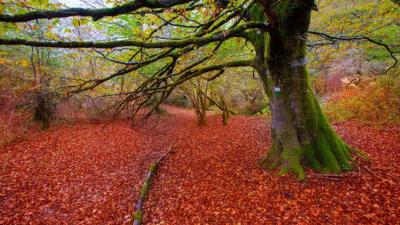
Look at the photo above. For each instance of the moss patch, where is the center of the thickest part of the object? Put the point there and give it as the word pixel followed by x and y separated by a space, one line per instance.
pixel 145 188
pixel 138 216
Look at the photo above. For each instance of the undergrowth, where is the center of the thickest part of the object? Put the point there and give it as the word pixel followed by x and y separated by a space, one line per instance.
pixel 373 101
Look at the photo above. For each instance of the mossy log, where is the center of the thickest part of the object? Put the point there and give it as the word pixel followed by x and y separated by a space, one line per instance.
pixel 138 213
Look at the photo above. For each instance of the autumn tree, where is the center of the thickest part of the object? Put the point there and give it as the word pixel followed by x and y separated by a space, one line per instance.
pixel 278 31
pixel 196 91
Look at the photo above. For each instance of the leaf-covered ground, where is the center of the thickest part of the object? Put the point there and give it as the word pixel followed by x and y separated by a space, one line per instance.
pixel 92 174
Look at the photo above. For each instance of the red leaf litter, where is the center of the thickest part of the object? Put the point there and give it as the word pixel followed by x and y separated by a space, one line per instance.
pixel 92 174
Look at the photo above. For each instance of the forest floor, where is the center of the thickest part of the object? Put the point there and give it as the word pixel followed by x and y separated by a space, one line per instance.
pixel 92 174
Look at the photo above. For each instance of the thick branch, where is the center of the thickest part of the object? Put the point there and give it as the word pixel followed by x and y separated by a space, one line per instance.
pixel 124 43
pixel 96 14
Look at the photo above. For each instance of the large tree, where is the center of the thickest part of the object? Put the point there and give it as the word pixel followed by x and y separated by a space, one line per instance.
pixel 278 30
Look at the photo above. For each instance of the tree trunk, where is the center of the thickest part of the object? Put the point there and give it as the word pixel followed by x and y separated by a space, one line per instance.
pixel 201 119
pixel 225 113
pixel 301 134
pixel 201 102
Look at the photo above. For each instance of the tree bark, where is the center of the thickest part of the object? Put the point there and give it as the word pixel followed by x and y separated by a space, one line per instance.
pixel 301 134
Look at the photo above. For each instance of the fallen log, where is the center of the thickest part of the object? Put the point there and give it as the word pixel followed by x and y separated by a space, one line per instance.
pixel 138 213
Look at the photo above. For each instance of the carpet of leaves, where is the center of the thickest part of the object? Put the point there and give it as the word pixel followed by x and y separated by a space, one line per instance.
pixel 92 174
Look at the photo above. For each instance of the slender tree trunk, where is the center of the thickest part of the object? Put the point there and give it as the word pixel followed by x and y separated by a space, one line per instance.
pixel 301 134
pixel 225 113
pixel 32 58
pixel 199 101
pixel 201 108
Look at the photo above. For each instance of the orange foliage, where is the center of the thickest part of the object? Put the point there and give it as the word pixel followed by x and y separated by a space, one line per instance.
pixel 372 101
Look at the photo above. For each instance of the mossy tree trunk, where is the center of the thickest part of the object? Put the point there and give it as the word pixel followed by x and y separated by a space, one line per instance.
pixel 301 134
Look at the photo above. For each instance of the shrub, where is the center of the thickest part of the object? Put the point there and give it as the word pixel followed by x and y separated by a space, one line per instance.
pixel 374 100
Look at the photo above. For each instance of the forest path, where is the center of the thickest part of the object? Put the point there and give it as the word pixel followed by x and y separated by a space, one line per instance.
pixel 214 178
pixel 91 174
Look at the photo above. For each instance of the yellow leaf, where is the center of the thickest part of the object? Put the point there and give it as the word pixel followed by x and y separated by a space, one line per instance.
pixel 3 61
pixel 76 22
pixel 24 63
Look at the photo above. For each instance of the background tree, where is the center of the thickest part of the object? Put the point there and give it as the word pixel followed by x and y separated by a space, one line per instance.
pixel 196 91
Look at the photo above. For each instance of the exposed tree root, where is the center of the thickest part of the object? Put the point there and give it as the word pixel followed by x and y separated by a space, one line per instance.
pixel 315 145
pixel 325 155
pixel 138 213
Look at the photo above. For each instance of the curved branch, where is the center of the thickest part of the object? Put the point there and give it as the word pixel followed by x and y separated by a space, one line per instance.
pixel 91 84
pixel 191 73
pixel 124 43
pixel 335 39
pixel 96 14
pixel 176 24
pixel 172 10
